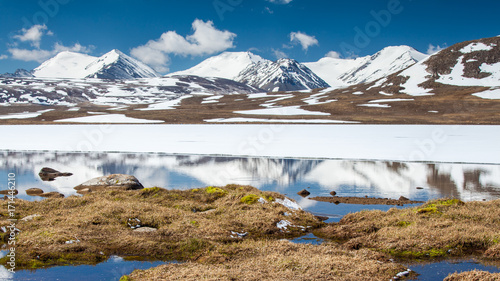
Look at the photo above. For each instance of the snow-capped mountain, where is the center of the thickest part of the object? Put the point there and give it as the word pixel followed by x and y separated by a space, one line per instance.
pixel 281 75
pixel 466 64
pixel 226 65
pixel 19 73
pixel 65 65
pixel 112 65
pixel 341 72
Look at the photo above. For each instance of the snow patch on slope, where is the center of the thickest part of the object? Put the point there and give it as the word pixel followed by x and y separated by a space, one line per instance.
pixel 287 110
pixel 474 47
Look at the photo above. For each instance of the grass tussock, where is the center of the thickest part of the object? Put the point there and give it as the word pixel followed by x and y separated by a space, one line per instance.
pixel 189 223
pixel 474 275
pixel 277 260
pixel 436 229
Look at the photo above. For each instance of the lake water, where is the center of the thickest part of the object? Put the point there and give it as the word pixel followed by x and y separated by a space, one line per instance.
pixel 384 179
pixel 110 270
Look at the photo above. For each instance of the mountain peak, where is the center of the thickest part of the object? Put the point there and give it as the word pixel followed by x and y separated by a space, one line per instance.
pixel 281 75
pixel 225 65
pixel 112 65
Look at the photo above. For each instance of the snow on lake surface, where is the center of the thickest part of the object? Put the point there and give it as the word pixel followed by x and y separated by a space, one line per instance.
pixel 287 110
pixel 108 118
pixel 437 143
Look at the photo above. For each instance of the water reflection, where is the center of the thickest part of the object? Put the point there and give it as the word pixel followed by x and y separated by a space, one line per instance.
pixel 320 177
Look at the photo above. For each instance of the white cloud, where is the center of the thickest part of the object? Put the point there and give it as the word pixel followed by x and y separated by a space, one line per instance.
pixel 279 54
pixel 152 57
pixel 39 55
pixel 284 2
pixel 333 54
pixel 33 35
pixel 303 39
pixel 3 57
pixel 205 40
pixel 434 49
pixel 267 9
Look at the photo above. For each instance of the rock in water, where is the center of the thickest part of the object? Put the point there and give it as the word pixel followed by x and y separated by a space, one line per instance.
pixel 9 192
pixel 49 174
pixel 111 182
pixel 53 194
pixel 333 193
pixel 303 193
pixel 34 191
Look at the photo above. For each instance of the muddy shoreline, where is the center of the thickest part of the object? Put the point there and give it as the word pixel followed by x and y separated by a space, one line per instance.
pixel 365 200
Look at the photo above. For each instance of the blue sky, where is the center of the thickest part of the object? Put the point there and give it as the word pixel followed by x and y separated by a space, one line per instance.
pixel 175 35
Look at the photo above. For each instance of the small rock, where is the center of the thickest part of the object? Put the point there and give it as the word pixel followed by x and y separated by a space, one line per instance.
pixel 72 241
pixel 84 191
pixel 53 194
pixel 419 187
pixel 403 274
pixel 333 193
pixel 34 191
pixel 6 192
pixel 30 217
pixel 145 229
pixel 402 198
pixel 208 211
pixel 303 193
pixel 238 235
pixel 321 218
pixel 49 174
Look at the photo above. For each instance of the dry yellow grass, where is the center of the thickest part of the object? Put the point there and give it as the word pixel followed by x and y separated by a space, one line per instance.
pixel 100 221
pixel 438 228
pixel 278 260
pixel 475 275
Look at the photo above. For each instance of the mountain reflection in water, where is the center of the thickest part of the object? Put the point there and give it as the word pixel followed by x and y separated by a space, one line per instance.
pixel 347 177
